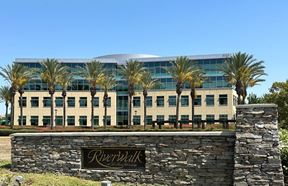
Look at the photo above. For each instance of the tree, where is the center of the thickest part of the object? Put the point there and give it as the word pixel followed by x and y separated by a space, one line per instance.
pixel 65 81
pixel 108 82
pixel 147 83
pixel 51 73
pixel 5 96
pixel 243 70
pixel 132 72
pixel 181 71
pixel 278 94
pixel 195 81
pixel 14 74
pixel 253 99
pixel 93 73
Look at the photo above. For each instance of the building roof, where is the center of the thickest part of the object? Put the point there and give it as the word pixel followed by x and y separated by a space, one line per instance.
pixel 122 58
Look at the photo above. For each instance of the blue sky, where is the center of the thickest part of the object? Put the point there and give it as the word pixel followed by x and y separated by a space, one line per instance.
pixel 89 28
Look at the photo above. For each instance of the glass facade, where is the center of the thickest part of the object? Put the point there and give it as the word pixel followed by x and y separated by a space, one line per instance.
pixel 157 67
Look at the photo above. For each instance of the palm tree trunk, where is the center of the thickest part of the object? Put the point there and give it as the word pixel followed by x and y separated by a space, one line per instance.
pixel 6 113
pixel 52 111
pixel 92 111
pixel 177 111
pixel 145 112
pixel 105 112
pixel 64 111
pixel 239 99
pixel 13 92
pixel 193 111
pixel 21 108
pixel 129 110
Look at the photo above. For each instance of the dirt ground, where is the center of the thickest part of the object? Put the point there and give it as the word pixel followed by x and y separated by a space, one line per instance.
pixel 5 148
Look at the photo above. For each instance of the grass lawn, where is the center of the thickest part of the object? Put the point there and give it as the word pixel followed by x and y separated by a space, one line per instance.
pixel 45 179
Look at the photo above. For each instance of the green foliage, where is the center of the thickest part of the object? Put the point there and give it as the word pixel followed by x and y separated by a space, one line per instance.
pixel 278 94
pixel 284 149
pixel 253 99
pixel 243 70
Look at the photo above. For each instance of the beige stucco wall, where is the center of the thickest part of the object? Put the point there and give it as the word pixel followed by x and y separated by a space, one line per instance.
pixel 167 110
pixel 76 111
pixel 203 110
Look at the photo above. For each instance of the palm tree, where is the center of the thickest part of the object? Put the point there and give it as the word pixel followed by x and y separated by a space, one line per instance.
pixel 24 78
pixel 195 80
pixel 132 72
pixel 51 73
pixel 147 83
pixel 243 70
pixel 5 96
pixel 108 82
pixel 64 82
pixel 93 73
pixel 180 71
pixel 14 74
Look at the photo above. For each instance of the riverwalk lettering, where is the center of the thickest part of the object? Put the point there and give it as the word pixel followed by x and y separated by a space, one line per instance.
pixel 113 158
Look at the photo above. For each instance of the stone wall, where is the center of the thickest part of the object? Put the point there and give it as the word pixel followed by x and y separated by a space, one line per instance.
pixel 172 158
pixel 249 156
pixel 257 155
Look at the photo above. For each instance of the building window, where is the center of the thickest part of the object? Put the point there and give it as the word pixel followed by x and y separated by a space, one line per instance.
pixel 24 102
pixel 59 102
pixel 24 120
pixel 136 101
pixel 83 120
pixel 223 117
pixel 160 101
pixel 223 99
pixel 108 102
pixel 160 119
pixel 34 102
pixel 172 119
pixel 108 120
pixel 149 120
pixel 46 120
pixel 96 102
pixel 184 101
pixel 70 120
pixel 83 101
pixel 185 119
pixel 210 119
pixel 197 118
pixel 46 102
pixel 96 120
pixel 172 101
pixel 136 120
pixel 71 101
pixel 149 101
pixel 197 101
pixel 59 120
pixel 34 120
pixel 210 100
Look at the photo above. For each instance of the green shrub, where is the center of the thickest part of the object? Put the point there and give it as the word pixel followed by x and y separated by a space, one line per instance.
pixel 284 149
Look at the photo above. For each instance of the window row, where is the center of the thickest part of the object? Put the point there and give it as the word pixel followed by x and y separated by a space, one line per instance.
pixel 70 121
pixel 59 102
pixel 183 118
pixel 184 101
